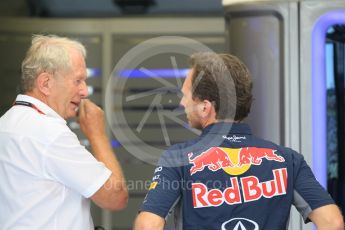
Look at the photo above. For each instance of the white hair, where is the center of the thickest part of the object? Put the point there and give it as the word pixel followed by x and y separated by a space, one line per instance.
pixel 47 53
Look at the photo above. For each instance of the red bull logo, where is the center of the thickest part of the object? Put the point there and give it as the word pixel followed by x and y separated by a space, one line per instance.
pixel 214 158
pixel 232 161
pixel 252 190
pixel 252 155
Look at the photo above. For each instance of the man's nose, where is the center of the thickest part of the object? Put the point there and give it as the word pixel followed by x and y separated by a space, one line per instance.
pixel 84 92
pixel 182 102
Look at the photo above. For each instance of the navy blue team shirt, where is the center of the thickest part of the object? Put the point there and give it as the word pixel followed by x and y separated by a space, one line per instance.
pixel 229 179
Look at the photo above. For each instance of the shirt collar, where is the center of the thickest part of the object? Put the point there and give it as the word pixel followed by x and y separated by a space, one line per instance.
pixel 39 104
pixel 225 128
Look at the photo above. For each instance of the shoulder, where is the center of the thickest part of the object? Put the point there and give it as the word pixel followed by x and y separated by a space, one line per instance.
pixel 279 148
pixel 25 122
pixel 178 153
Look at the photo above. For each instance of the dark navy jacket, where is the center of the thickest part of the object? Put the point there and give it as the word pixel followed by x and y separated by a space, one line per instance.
pixel 229 179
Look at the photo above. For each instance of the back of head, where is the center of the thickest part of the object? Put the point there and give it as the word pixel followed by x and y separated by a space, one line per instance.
pixel 49 54
pixel 225 81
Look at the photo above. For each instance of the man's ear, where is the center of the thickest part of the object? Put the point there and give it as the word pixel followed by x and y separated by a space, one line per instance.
pixel 44 83
pixel 206 109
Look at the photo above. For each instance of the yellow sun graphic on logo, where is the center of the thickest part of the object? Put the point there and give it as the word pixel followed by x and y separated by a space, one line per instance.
pixel 233 155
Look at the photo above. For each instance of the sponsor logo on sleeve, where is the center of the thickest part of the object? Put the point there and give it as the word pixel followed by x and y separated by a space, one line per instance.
pixel 153 185
pixel 158 169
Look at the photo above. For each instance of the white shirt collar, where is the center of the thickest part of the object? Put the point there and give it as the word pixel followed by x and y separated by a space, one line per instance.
pixel 40 105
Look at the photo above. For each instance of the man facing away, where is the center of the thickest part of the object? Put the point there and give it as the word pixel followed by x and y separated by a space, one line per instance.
pixel 47 177
pixel 227 178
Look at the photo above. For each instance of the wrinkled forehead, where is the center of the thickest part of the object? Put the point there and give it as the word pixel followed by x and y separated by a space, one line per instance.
pixel 78 61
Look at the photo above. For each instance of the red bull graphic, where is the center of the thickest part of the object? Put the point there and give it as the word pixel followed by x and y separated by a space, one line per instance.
pixel 252 190
pixel 232 161
pixel 252 155
pixel 214 158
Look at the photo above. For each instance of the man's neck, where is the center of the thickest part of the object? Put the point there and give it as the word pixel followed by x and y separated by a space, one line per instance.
pixel 228 120
pixel 37 95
